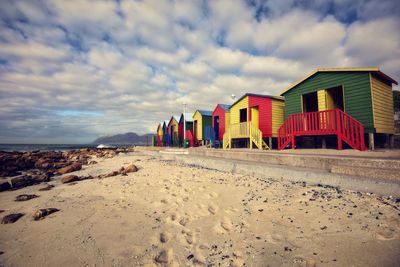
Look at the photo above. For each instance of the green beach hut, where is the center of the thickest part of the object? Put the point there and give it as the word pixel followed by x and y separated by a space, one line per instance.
pixel 348 102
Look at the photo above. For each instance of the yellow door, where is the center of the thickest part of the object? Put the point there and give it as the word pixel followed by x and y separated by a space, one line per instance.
pixel 255 116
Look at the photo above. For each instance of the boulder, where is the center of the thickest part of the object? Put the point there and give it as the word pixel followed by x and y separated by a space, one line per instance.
pixel 48 187
pixel 40 214
pixel 4 186
pixel 25 197
pixel 70 168
pixel 130 168
pixel 11 218
pixel 113 173
pixel 22 181
pixel 69 179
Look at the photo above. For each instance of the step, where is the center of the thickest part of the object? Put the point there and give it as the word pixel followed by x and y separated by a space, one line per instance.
pixel 383 174
pixel 329 163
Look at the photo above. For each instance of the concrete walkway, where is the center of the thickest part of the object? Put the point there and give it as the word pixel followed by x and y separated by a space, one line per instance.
pixel 374 172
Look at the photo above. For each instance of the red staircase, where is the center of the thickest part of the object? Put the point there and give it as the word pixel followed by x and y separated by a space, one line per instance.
pixel 192 141
pixel 325 122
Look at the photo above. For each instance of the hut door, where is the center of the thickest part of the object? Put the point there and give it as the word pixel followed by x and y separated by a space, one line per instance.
pixel 195 129
pixel 172 133
pixel 310 102
pixel 243 115
pixel 335 98
pixel 255 116
pixel 216 126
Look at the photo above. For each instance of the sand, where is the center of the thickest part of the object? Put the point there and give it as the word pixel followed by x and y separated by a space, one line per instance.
pixel 167 214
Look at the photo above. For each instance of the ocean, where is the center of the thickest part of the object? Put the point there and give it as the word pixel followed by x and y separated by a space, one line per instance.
pixel 49 147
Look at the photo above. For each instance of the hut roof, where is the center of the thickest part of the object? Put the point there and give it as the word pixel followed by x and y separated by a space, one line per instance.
pixel 250 94
pixel 225 107
pixel 205 112
pixel 188 117
pixel 373 70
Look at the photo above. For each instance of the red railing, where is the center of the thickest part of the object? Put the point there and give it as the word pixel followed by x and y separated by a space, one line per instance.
pixel 325 122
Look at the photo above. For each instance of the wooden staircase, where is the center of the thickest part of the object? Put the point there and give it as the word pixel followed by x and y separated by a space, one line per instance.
pixel 327 122
pixel 244 130
pixel 192 141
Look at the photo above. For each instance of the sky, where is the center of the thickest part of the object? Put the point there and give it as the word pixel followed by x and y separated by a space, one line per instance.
pixel 71 71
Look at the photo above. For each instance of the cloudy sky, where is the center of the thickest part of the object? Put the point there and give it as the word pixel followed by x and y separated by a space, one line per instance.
pixel 73 70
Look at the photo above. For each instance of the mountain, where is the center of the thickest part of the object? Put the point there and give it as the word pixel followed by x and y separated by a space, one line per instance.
pixel 126 138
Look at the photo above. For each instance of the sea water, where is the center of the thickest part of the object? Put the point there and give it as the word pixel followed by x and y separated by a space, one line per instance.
pixel 49 147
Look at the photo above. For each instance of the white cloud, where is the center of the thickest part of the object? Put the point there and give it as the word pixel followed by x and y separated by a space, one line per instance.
pixel 374 42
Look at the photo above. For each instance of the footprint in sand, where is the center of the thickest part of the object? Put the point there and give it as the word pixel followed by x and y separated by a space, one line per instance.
pixel 189 236
pixel 213 209
pixel 211 195
pixel 231 210
pixel 224 226
pixel 164 201
pixel 165 237
pixel 185 220
pixel 385 233
pixel 174 217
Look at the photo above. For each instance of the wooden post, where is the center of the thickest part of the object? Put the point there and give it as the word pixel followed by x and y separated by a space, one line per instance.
pixel 270 142
pixel 371 141
pixel 339 129
pixel 323 142
pixel 387 143
pixel 292 132
pixel 392 141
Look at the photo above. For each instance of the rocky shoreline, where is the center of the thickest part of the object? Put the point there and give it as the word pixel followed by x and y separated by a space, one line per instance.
pixel 18 169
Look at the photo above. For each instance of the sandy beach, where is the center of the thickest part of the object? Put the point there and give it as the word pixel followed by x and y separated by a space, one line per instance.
pixel 167 214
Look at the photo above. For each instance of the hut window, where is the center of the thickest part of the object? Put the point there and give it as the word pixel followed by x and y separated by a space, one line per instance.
pixel 310 102
pixel 243 115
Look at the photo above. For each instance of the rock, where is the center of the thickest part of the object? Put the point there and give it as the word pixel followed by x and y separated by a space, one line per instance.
pixel 25 197
pixel 113 173
pixel 70 168
pixel 130 168
pixel 4 186
pixel 23 181
pixel 40 214
pixel 48 187
pixel 11 218
pixel 44 177
pixel 165 256
pixel 92 162
pixel 69 179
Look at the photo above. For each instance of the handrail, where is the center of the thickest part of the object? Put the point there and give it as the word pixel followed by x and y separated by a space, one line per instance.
pixel 324 122
pixel 189 136
pixel 244 130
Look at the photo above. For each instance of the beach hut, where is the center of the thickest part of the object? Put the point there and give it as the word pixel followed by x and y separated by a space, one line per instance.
pixel 166 136
pixel 160 134
pixel 254 117
pixel 343 102
pixel 173 131
pixel 201 119
pixel 220 120
pixel 188 117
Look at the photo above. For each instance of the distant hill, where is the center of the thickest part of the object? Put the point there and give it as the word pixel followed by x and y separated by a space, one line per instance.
pixel 126 138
